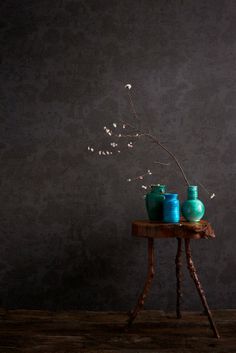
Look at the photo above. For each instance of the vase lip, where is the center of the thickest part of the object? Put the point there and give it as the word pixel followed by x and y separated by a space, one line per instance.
pixel 169 195
pixel 192 187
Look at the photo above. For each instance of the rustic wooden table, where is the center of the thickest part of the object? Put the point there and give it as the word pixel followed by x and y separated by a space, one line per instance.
pixel 183 231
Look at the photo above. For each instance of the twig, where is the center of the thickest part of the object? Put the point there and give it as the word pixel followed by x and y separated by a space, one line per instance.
pixel 132 105
pixel 155 139
pixel 162 163
pixel 207 191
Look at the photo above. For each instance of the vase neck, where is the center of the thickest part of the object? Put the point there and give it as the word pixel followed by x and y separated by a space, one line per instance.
pixel 171 196
pixel 192 192
pixel 161 189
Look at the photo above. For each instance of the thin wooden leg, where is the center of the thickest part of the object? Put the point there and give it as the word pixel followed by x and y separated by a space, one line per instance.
pixel 198 285
pixel 148 283
pixel 178 264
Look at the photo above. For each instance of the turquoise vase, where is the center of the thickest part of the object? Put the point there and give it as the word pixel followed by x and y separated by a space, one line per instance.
pixel 154 202
pixel 171 211
pixel 193 209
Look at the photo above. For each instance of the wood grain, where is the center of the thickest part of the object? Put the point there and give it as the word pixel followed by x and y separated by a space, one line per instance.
pixel 148 282
pixel 193 273
pixel 178 266
pixel 186 230
pixel 25 331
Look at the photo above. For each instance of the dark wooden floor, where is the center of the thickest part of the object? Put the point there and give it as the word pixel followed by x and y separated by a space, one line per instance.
pixel 97 332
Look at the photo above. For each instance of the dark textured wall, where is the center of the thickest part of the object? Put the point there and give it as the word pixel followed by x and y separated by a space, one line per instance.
pixel 65 214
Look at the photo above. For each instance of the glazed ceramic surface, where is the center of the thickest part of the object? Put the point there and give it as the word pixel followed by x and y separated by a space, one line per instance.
pixel 171 211
pixel 154 202
pixel 193 209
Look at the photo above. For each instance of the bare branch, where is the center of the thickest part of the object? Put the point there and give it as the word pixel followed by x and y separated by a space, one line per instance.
pixel 162 163
pixel 207 191
pixel 132 105
pixel 130 136
pixel 140 177
pixel 156 140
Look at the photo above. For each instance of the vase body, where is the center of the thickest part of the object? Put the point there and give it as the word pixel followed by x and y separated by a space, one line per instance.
pixel 154 202
pixel 193 209
pixel 171 211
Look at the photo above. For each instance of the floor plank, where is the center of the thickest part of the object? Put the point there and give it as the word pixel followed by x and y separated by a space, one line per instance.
pixel 32 331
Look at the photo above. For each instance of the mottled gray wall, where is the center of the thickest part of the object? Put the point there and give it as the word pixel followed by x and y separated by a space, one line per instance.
pixel 65 214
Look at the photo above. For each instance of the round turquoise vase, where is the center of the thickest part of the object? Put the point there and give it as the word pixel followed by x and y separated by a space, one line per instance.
pixel 193 209
pixel 154 202
pixel 171 211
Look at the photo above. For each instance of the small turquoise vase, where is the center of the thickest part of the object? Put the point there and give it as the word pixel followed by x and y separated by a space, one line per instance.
pixel 171 210
pixel 193 209
pixel 154 202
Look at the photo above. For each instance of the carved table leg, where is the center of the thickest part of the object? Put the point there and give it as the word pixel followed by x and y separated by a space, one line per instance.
pixel 178 264
pixel 148 283
pixel 198 285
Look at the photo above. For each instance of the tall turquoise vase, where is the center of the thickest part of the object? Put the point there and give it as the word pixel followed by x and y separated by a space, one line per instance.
pixel 193 209
pixel 154 202
pixel 171 209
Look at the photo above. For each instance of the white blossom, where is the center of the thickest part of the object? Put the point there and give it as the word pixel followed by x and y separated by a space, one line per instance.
pixel 141 177
pixel 212 196
pixel 118 151
pixel 88 148
pixel 91 149
pixel 119 135
pixel 128 180
pixel 144 187
pixel 108 131
pixel 103 153
pixel 100 152
pixel 115 125
pixel 124 126
pixel 128 86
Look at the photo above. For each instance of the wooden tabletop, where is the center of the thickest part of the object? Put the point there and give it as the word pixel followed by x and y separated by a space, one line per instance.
pixel 183 229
